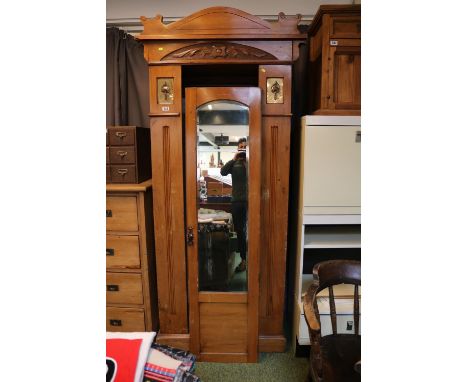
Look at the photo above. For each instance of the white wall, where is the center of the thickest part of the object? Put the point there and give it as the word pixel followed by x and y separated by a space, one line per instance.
pixel 131 10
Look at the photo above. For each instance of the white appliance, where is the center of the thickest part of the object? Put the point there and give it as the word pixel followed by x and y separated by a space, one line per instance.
pixel 329 215
pixel 331 156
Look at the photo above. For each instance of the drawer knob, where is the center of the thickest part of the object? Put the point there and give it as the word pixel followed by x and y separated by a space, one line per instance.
pixel 121 134
pixel 115 322
pixel 109 251
pixel 108 213
pixel 122 154
pixel 122 171
pixel 112 288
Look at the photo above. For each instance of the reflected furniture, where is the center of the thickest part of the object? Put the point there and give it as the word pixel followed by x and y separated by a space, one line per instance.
pixel 220 47
pixel 130 279
pixel 333 357
pixel 335 61
pixel 216 255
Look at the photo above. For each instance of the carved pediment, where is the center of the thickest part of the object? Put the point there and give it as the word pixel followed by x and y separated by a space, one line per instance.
pixel 219 22
pixel 219 50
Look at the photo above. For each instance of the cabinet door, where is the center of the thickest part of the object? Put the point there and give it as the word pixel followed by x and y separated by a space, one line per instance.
pixel 344 87
pixel 332 169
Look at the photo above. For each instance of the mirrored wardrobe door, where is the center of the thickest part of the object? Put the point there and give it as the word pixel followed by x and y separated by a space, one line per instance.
pixel 222 190
pixel 223 209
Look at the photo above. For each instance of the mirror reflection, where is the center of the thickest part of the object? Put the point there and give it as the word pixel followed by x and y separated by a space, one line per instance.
pixel 222 200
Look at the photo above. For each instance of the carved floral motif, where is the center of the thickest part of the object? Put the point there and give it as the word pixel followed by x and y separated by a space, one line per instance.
pixel 216 50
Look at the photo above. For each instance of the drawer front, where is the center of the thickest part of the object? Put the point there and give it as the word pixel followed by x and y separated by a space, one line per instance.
pixel 122 155
pixel 121 213
pixel 125 320
pixel 121 136
pixel 124 288
pixel 344 325
pixel 122 252
pixel 123 173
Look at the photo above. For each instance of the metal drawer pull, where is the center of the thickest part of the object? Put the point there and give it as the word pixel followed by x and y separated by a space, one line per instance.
pixel 122 171
pixel 112 288
pixel 120 134
pixel 108 213
pixel 116 322
pixel 122 153
pixel 109 251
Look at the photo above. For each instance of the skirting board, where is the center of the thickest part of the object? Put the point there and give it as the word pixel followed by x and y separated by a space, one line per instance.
pixel 180 341
pixel 272 344
pixel 266 344
pixel 224 358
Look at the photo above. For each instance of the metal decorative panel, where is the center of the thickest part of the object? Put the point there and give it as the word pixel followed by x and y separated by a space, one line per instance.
pixel 274 90
pixel 165 91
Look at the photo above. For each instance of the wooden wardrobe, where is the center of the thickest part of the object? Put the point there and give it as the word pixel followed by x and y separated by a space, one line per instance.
pixel 221 48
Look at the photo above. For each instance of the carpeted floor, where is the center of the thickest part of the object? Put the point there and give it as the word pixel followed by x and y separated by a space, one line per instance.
pixel 272 367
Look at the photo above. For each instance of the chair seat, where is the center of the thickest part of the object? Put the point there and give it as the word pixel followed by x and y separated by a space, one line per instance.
pixel 340 353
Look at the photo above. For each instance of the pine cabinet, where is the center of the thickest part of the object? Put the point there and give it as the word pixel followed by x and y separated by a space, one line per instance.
pixel 335 61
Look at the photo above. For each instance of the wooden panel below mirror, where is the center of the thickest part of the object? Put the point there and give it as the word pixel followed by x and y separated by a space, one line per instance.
pixel 223 328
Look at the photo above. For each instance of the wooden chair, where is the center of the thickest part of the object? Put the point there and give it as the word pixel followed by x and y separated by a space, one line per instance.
pixel 333 357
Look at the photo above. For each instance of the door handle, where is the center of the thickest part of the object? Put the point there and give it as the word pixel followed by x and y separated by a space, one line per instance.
pixel 190 235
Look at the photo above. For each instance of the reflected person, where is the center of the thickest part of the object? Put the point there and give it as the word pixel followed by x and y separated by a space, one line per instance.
pixel 237 167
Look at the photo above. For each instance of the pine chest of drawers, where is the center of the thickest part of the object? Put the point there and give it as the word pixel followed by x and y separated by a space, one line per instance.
pixel 131 293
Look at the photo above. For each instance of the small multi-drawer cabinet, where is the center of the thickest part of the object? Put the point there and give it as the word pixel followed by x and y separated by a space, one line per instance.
pixel 128 154
pixel 130 259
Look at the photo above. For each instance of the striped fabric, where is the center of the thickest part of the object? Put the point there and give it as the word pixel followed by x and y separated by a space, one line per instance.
pixel 159 373
pixel 167 364
pixel 187 358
